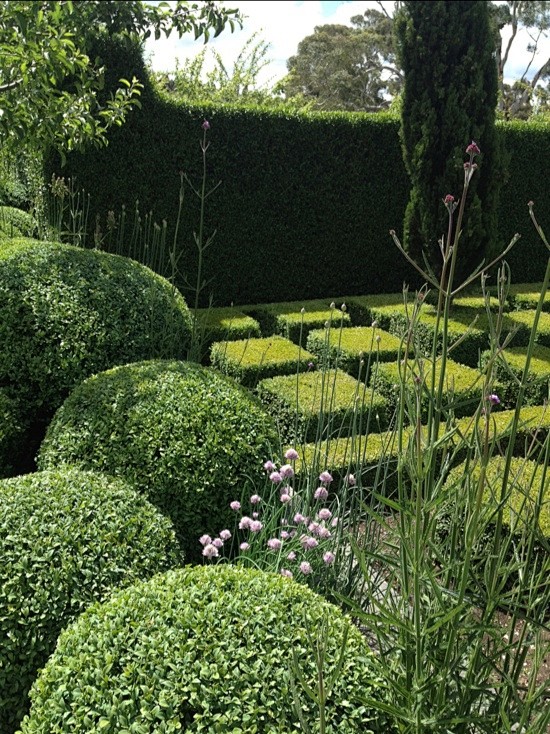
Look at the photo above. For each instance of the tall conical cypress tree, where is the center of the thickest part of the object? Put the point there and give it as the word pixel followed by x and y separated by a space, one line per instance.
pixel 447 51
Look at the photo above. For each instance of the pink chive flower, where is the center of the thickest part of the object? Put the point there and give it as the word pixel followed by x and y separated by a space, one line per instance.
pixel 225 535
pixel 255 499
pixel 313 527
pixel 255 515
pixel 324 514
pixel 217 543
pixel 308 543
pixel 291 556
pixel 291 455
pixel 325 477
pixel 298 518
pixel 324 533
pixel 245 523
pixel 493 399
pixel 305 567
pixel 205 125
pixel 285 498
pixel 334 522
pixel 255 526
pixel 235 505
pixel 269 466
pixel 274 544
pixel 275 477
pixel 321 493
pixel 285 535
pixel 473 149
pixel 286 471
pixel 286 572
pixel 244 546
pixel 350 479
pixel 210 551
pixel 205 540
pixel 328 558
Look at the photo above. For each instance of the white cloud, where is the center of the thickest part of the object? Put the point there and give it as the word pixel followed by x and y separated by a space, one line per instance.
pixel 284 23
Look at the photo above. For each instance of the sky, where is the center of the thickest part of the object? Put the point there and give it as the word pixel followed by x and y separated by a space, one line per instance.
pixel 283 24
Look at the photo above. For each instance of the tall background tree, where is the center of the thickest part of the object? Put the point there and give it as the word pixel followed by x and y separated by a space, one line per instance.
pixel 340 67
pixel 446 51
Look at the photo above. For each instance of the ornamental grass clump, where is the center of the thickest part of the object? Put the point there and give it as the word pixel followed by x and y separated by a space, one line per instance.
pixel 186 436
pixel 67 538
pixel 462 635
pixel 219 649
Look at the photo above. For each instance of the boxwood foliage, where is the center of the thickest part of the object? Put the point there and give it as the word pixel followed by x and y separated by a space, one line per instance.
pixel 12 432
pixel 225 324
pixel 318 404
pixel 207 649
pixel 251 360
pixel 510 366
pixel 184 435
pixel 67 538
pixel 527 295
pixel 16 222
pixel 462 388
pixel 66 313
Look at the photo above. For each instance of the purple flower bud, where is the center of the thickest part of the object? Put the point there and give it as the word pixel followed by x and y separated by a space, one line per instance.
pixel 217 543
pixel 493 399
pixel 286 471
pixel 235 505
pixel 275 477
pixel 245 522
pixel 350 479
pixel 205 125
pixel 255 526
pixel 291 556
pixel 205 540
pixel 325 477
pixel 328 558
pixel 269 466
pixel 473 149
pixel 255 499
pixel 210 551
pixel 321 493
pixel 225 535
pixel 274 544
pixel 244 546
pixel 286 572
pixel 285 498
pixel 305 567
pixel 291 455
pixel 324 514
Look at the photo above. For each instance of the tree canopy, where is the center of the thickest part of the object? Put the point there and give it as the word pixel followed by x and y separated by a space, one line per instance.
pixel 49 84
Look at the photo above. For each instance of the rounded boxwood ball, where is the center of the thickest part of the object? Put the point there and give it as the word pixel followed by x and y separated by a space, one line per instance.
pixel 206 649
pixel 190 438
pixel 67 313
pixel 67 538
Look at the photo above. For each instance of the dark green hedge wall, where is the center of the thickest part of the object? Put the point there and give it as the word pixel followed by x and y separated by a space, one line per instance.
pixel 306 200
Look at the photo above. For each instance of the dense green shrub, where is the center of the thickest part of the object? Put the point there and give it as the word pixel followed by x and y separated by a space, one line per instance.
pixel 355 349
pixel 225 324
pixel 206 649
pixel 189 438
pixel 462 388
pixel 510 366
pixel 320 404
pixel 66 313
pixel 527 295
pixel 16 222
pixel 67 538
pixel 295 320
pixel 252 360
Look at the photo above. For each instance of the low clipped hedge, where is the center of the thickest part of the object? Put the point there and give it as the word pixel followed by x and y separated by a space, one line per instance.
pixel 321 404
pixel 462 388
pixel 206 649
pixel 356 349
pixel 294 320
pixel 67 313
pixel 67 538
pixel 527 295
pixel 509 369
pixel 252 360
pixel 225 324
pixel 187 437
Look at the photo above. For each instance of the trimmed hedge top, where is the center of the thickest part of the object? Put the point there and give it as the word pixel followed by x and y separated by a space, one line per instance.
pixel 67 538
pixel 184 435
pixel 206 649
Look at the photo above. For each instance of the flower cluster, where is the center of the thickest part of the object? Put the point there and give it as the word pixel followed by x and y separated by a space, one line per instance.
pixel 288 530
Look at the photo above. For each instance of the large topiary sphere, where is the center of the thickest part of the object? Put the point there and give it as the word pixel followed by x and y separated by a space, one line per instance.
pixel 190 438
pixel 206 649
pixel 67 538
pixel 67 313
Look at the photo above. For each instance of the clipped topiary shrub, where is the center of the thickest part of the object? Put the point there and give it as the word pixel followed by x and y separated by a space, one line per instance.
pixel 16 222
pixel 527 295
pixel 206 649
pixel 319 404
pixel 67 313
pixel 252 360
pixel 356 349
pixel 225 324
pixel 67 538
pixel 184 435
